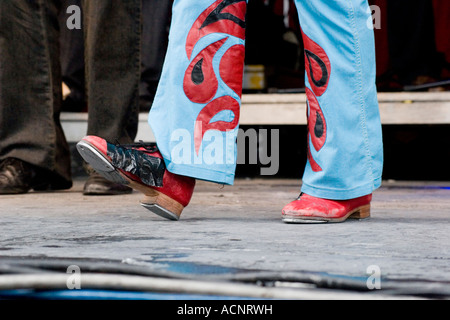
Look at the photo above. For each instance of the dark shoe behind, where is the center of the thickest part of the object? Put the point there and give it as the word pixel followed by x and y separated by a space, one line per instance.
pixel 97 185
pixel 16 176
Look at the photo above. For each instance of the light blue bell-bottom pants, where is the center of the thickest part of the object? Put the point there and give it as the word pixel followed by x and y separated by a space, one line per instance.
pixel 195 115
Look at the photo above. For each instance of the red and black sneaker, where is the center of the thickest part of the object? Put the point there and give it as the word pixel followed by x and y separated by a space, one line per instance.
pixel 141 167
pixel 309 209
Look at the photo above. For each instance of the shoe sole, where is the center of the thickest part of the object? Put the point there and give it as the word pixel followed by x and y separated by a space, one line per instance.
pixel 360 213
pixel 154 201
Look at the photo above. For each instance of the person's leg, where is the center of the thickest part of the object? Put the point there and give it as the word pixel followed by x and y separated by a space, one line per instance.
pixel 156 15
pixel 345 152
pixel 72 60
pixel 112 55
pixel 30 91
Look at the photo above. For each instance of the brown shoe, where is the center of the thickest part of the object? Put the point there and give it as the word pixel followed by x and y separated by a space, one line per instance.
pixel 16 176
pixel 96 185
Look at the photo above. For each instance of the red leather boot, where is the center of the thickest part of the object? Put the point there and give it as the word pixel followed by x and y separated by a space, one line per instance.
pixel 141 167
pixel 309 209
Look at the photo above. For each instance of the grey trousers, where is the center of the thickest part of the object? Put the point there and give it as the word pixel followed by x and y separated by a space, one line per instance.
pixel 30 78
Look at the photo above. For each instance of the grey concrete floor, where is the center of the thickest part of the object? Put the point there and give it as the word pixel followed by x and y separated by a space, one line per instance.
pixel 238 228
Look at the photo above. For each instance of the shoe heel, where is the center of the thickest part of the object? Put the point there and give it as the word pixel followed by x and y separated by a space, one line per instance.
pixel 362 213
pixel 163 206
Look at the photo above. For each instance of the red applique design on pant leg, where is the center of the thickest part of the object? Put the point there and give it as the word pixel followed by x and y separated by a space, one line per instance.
pixel 318 66
pixel 223 16
pixel 232 72
pixel 318 70
pixel 201 84
pixel 204 124
pixel 317 128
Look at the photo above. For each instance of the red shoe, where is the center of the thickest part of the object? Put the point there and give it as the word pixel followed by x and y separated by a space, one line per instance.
pixel 141 167
pixel 309 209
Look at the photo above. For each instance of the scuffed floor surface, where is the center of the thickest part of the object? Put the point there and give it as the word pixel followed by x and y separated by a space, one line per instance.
pixel 238 228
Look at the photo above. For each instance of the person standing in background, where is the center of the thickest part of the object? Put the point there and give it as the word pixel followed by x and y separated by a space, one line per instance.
pixel 34 153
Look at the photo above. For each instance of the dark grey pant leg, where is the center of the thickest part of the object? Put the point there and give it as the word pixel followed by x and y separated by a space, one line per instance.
pixel 156 15
pixel 72 60
pixel 112 53
pixel 30 87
